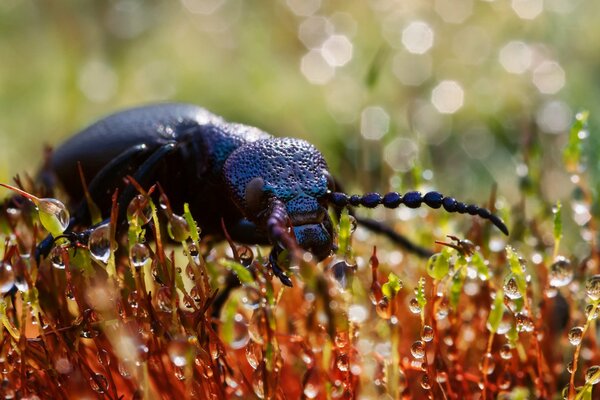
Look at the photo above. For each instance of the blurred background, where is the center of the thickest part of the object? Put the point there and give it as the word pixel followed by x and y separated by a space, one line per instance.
pixel 464 93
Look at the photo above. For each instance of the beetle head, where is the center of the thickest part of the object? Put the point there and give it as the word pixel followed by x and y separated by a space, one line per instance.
pixel 281 184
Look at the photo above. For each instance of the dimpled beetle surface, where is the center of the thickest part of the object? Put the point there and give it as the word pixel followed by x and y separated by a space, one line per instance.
pixel 264 190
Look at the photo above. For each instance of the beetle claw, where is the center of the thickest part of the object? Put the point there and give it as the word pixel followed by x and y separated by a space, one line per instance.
pixel 277 271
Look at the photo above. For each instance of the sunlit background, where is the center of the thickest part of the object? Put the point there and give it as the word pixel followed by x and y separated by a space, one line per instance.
pixel 391 91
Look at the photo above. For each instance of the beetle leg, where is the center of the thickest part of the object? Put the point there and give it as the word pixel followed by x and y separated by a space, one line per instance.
pixel 277 271
pixel 143 175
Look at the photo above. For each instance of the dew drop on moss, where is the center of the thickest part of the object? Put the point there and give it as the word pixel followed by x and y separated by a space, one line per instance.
pixel 418 349
pixel 506 351
pixel 592 375
pixel 561 273
pixel 592 287
pixel 253 354
pixel 139 211
pixel 511 289
pixel 487 364
pixel 99 383
pixel 178 228
pixel 99 243
pixel 56 257
pixel 139 254
pixel 7 277
pixel 413 306
pixel 427 333
pixel 53 216
pixel 575 335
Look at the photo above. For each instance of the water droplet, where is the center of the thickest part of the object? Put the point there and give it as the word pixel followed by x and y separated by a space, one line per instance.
pixel 7 277
pixel 178 228
pixel 524 323
pixel 179 352
pixel 592 288
pixel 442 309
pixel 53 216
pixel 56 257
pixel 342 272
pixel 383 308
pixel 124 370
pixel 163 299
pixel 240 336
pixel 487 364
pixel 179 373
pixel 99 243
pixel 425 384
pixel 588 310
pixel 575 335
pixel 427 333
pixel 592 375
pixel 413 306
pixel 312 385
pixel 103 357
pixel 257 328
pixel 258 383
pixel 570 367
pixel 505 380
pixel 506 351
pixel 98 383
pixel 418 349
pixel 140 254
pixel 561 273
pixel 139 211
pixel 253 354
pixel 511 289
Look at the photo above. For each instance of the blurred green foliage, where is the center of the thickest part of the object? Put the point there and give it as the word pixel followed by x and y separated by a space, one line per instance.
pixel 322 70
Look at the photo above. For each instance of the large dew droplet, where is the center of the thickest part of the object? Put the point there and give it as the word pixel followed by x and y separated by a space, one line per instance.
pixel 53 216
pixel 139 211
pixel 511 289
pixel 99 243
pixel 56 257
pixel 575 335
pixel 417 349
pixel 592 287
pixel 7 277
pixel 561 272
pixel 178 228
pixel 139 253
pixel 592 375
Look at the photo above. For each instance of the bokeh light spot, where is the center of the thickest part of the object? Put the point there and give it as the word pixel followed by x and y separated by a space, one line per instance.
pixel 374 123
pixel 97 81
pixel 549 77
pixel 516 57
pixel 314 30
pixel 304 8
pixel 528 9
pixel 400 154
pixel 554 117
pixel 454 11
pixel 315 68
pixel 447 97
pixel 337 50
pixel 417 37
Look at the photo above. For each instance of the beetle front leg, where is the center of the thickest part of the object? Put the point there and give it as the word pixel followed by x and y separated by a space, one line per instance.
pixel 277 271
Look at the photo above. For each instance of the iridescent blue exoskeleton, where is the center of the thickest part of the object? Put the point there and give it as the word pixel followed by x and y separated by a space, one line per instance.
pixel 262 189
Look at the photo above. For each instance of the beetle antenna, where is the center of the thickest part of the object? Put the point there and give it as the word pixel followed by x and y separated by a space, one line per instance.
pixel 415 200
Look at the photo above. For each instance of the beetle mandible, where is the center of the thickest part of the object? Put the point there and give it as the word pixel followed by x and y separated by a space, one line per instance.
pixel 263 189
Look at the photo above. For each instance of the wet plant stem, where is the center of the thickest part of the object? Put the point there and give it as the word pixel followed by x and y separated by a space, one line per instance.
pixel 578 349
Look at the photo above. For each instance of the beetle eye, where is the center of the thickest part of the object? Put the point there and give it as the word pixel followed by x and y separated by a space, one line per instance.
pixel 330 181
pixel 255 194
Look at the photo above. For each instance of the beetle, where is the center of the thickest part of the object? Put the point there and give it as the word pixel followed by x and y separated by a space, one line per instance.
pixel 259 188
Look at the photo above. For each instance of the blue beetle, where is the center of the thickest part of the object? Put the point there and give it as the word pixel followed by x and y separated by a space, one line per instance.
pixel 262 189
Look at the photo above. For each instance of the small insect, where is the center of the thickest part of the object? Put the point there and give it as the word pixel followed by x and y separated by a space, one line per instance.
pixel 261 189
